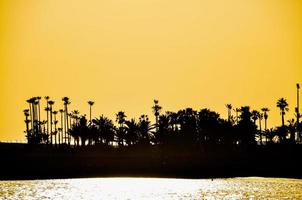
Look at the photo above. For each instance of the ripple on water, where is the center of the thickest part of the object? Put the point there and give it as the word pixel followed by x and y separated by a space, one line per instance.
pixel 153 188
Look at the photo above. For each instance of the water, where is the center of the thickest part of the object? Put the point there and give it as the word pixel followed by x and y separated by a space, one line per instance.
pixel 153 188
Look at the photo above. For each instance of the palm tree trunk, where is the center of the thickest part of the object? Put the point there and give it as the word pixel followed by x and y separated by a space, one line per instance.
pixel 35 119
pixel 260 131
pixel 67 127
pixel 70 127
pixel 50 124
pixel 283 137
pixel 265 124
pixel 90 114
pixel 47 124
pixel 31 118
pixel 27 126
pixel 39 119
pixel 61 138
pixel 55 132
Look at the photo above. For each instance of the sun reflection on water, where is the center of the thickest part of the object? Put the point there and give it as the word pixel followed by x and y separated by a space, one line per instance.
pixel 153 188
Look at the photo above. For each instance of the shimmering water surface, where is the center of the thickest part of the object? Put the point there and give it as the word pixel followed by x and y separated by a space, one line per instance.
pixel 153 188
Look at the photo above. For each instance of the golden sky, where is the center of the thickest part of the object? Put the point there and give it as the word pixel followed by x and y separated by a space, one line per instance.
pixel 124 53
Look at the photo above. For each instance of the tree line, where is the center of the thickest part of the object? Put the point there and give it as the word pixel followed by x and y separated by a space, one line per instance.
pixel 243 126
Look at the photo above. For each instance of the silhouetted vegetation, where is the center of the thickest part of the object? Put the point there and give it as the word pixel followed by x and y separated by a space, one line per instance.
pixel 186 127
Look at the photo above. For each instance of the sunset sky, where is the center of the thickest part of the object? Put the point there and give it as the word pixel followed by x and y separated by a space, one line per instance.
pixel 122 54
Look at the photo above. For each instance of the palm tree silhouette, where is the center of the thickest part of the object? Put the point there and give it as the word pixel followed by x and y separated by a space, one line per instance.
pixel 260 126
pixel 34 121
pixel 156 110
pixel 36 116
pixel 247 127
pixel 27 121
pixel 44 134
pixel 66 127
pixel 265 116
pixel 283 106
pixel 120 119
pixel 47 113
pixel 105 129
pixel 39 113
pixel 47 121
pixel 50 112
pixel 34 135
pixel 90 103
pixel 229 107
pixel 292 129
pixel 70 125
pixel 167 124
pixel 144 127
pixel 30 112
pixel 255 115
pixel 61 128
pixel 55 123
pixel 132 132
pixel 298 112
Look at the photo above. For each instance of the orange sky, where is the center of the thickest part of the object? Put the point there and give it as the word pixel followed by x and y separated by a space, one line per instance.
pixel 124 53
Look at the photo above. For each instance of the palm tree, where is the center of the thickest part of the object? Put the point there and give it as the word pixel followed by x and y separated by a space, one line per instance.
pixel 144 128
pixel 260 127
pixel 39 113
pixel 265 115
pixel 66 102
pixel 105 129
pixel 47 121
pixel 90 103
pixel 80 131
pixel 298 112
pixel 255 116
pixel 156 110
pixel 26 113
pixel 292 129
pixel 55 123
pixel 120 119
pixel 34 122
pixel 47 113
pixel 36 117
pixel 229 107
pixel 29 101
pixel 35 136
pixel 167 124
pixel 43 131
pixel 50 111
pixel 283 106
pixel 247 127
pixel 61 129
pixel 132 132
pixel 70 125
